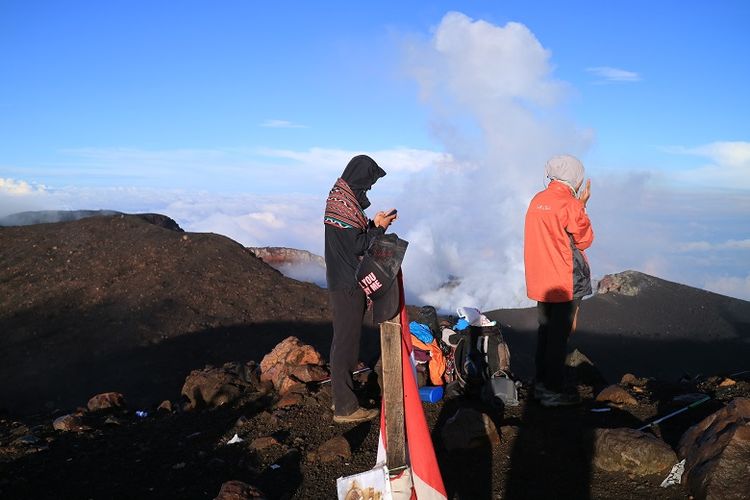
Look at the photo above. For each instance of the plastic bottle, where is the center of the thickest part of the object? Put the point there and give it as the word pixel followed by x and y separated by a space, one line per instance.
pixel 431 394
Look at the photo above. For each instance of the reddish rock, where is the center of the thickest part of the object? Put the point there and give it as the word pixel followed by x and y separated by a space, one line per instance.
pixel 262 443
pixel 291 399
pixel 727 382
pixel 289 356
pixel 237 490
pixel 717 453
pixel 616 394
pixel 106 401
pixel 309 373
pixel 631 451
pixel 289 384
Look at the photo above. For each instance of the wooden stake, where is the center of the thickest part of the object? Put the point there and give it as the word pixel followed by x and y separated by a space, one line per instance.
pixel 393 393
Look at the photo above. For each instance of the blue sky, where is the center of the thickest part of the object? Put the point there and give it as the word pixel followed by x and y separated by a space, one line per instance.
pixel 236 117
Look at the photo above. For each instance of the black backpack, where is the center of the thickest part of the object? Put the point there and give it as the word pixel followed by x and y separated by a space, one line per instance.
pixel 480 354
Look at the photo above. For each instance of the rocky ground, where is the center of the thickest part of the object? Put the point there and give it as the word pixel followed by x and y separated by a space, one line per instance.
pixel 134 308
pixel 290 447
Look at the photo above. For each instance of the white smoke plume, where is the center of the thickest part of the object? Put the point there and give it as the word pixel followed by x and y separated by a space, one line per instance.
pixel 498 111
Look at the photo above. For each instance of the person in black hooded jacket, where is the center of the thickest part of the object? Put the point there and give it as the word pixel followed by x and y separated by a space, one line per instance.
pixel 348 233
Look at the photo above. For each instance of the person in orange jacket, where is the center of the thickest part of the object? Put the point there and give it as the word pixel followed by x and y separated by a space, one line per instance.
pixel 557 231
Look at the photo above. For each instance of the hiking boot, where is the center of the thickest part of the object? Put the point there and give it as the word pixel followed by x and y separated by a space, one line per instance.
pixel 359 415
pixel 559 399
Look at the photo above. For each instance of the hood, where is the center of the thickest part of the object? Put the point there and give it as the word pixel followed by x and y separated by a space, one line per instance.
pixel 360 174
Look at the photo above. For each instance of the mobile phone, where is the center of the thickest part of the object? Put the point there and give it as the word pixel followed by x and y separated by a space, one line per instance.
pixel 391 213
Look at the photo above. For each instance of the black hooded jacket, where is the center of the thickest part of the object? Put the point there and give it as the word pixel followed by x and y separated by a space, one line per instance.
pixel 344 247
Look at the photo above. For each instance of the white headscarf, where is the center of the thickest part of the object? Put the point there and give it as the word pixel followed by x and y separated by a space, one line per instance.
pixel 566 169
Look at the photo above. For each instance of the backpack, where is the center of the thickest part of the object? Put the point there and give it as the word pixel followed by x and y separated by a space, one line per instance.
pixel 480 354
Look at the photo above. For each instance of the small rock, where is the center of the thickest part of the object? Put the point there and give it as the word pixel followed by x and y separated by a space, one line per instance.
pixel 241 421
pixel 616 394
pixel 237 490
pixel 727 382
pixel 165 407
pixel 334 449
pixel 106 401
pixel 467 429
pixel 112 420
pixel 291 399
pixel 27 440
pixel 69 423
pixel 628 379
pixel 262 443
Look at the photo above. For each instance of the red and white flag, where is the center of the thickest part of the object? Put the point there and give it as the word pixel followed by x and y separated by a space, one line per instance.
pixel 427 483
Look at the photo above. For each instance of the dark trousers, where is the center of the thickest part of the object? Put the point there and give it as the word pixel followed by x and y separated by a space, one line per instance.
pixel 348 312
pixel 555 326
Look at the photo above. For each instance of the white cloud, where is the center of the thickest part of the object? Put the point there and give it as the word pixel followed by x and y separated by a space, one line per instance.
pixel 728 167
pixel 495 107
pixel 281 124
pixel 732 286
pixel 705 246
pixel 14 187
pixel 392 160
pixel 608 74
pixel 20 196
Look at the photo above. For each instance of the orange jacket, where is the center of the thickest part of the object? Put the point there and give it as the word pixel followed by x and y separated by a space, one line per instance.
pixel 556 233
pixel 436 365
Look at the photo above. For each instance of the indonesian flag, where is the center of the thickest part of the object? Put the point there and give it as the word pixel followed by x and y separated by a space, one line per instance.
pixel 427 483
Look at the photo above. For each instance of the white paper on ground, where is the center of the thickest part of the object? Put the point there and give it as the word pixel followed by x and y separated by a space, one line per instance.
pixel 373 483
pixel 235 439
pixel 675 475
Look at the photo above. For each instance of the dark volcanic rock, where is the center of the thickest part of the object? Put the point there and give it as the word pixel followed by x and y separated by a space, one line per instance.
pixel 213 387
pixel 616 394
pixel 469 428
pixel 237 490
pixel 717 453
pixel 625 283
pixel 631 451
pixel 119 303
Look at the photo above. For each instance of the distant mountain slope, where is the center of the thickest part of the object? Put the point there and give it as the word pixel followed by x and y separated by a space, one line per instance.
pixel 75 297
pixel 300 265
pixel 641 323
pixel 55 216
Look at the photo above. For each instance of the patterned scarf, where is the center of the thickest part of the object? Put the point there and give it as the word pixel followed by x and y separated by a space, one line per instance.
pixel 342 209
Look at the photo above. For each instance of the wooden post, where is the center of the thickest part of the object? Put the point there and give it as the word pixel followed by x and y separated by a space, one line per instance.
pixel 393 393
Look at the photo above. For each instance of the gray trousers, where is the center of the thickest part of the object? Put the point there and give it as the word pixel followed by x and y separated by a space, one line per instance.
pixel 348 313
